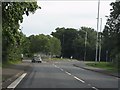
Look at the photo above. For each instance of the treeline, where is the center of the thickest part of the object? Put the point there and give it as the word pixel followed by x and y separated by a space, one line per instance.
pixel 41 44
pixel 75 42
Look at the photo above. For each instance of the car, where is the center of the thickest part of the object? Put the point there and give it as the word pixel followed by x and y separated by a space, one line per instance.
pixel 37 59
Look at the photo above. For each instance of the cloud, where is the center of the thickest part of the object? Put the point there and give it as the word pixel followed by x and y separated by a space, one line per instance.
pixel 64 14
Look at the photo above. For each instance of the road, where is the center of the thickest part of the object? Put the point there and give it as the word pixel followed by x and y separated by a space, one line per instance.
pixel 62 74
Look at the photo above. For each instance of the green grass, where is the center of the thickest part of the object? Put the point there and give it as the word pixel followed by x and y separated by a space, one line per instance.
pixel 105 65
pixel 9 63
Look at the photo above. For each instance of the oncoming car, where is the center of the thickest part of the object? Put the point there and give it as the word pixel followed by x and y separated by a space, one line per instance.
pixel 37 59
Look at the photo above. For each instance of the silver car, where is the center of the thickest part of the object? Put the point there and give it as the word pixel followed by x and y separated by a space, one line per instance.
pixel 37 59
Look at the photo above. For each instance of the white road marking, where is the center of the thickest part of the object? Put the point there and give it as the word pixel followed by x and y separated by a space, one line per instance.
pixel 89 84
pixel 95 88
pixel 68 73
pixel 79 79
pixel 17 81
pixel 55 65
pixel 61 69
pixel 76 77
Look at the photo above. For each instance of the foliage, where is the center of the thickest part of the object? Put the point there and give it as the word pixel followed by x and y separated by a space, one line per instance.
pixel 73 42
pixel 66 37
pixel 112 33
pixel 55 46
pixel 11 34
pixel 44 44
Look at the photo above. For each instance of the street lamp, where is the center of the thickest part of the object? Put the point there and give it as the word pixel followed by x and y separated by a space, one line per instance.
pixel 100 40
pixel 97 31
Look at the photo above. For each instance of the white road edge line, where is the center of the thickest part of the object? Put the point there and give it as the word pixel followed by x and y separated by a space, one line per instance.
pixel 17 81
pixel 79 79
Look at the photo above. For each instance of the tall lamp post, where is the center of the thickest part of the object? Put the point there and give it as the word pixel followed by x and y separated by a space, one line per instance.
pixel 97 30
pixel 100 40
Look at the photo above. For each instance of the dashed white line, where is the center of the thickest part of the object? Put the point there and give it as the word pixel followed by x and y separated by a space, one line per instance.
pixel 79 79
pixel 17 81
pixel 55 65
pixel 68 73
pixel 76 77
pixel 95 88
pixel 89 84
pixel 61 69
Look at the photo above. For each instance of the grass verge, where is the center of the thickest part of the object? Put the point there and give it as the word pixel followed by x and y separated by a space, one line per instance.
pixel 9 63
pixel 104 65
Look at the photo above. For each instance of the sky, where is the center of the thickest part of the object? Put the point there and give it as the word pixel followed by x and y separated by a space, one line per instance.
pixel 68 14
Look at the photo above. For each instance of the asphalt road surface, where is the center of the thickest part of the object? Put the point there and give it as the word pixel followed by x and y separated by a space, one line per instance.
pixel 62 74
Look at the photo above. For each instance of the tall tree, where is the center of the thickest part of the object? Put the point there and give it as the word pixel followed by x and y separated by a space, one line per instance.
pixel 44 44
pixel 112 32
pixel 73 42
pixel 66 37
pixel 12 16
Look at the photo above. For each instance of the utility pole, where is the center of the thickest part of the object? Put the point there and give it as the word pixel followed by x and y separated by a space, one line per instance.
pixel 100 40
pixel 85 45
pixel 97 31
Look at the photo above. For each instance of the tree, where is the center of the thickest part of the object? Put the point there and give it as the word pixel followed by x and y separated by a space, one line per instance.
pixel 44 44
pixel 79 43
pixel 55 46
pixel 73 42
pixel 66 36
pixel 12 16
pixel 112 32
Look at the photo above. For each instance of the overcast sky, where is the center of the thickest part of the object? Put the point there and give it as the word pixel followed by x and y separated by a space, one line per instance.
pixel 68 14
